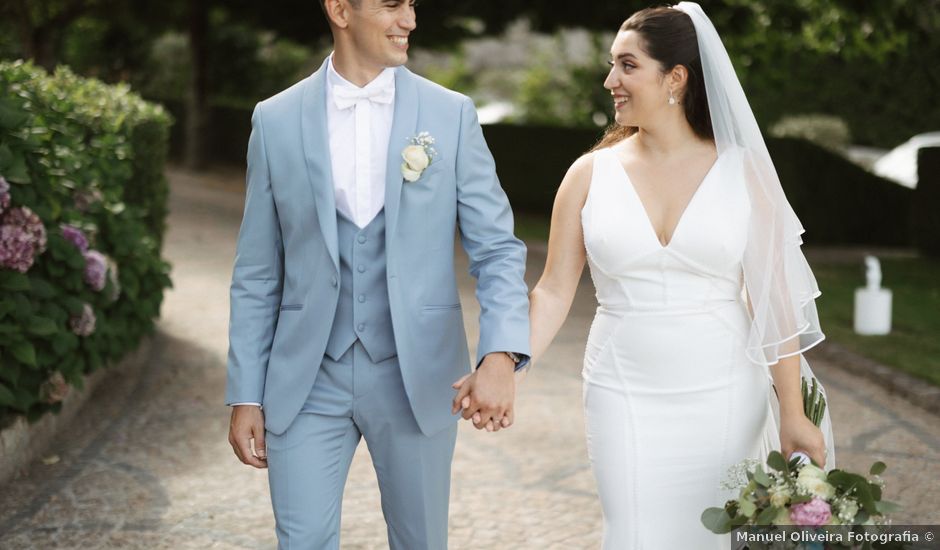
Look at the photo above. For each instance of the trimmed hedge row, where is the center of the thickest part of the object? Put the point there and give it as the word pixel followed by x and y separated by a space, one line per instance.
pixel 83 203
pixel 837 201
pixel 926 214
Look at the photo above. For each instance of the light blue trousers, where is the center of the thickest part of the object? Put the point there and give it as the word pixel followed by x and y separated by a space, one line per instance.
pixel 308 464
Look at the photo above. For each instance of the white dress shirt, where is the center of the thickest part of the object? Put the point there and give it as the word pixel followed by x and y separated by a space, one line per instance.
pixel 358 161
pixel 359 175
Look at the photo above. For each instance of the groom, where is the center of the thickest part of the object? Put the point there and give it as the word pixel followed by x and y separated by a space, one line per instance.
pixel 345 317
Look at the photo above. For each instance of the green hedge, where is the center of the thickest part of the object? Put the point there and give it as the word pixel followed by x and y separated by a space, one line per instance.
pixel 84 207
pixel 837 201
pixel 926 212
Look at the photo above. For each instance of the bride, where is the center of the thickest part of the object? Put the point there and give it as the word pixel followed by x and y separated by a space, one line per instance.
pixel 706 302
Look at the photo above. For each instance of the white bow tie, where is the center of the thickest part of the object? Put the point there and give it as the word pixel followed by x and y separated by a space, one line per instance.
pixel 346 97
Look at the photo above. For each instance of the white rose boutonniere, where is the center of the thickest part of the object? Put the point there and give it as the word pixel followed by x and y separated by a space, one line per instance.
pixel 417 156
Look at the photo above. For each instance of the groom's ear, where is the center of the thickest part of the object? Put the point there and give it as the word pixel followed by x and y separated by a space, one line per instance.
pixel 337 11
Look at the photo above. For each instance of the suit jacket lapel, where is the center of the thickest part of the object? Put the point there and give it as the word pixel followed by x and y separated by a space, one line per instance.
pixel 404 124
pixel 316 145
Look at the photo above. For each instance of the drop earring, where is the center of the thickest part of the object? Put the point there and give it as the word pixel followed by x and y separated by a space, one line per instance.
pixel 672 98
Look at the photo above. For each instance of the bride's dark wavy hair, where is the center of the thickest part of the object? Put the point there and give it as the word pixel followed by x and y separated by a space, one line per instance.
pixel 668 36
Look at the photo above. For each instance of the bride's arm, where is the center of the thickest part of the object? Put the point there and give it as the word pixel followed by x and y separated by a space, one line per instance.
pixel 551 298
pixel 797 432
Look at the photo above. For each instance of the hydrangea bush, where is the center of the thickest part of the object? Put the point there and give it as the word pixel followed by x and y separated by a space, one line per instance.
pixel 82 212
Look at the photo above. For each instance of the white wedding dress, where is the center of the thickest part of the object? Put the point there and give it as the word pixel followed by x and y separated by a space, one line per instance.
pixel 671 401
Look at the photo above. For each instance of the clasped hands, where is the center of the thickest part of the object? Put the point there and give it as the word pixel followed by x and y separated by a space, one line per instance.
pixel 486 397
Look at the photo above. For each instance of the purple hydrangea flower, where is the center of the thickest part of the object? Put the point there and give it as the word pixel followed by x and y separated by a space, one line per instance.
pixel 75 236
pixel 84 324
pixel 4 194
pixel 815 513
pixel 22 238
pixel 96 270
pixel 17 250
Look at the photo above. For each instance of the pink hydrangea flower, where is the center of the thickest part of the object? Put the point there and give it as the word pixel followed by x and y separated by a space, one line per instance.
pixel 30 222
pixel 22 238
pixel 75 236
pixel 96 270
pixel 4 194
pixel 84 324
pixel 813 513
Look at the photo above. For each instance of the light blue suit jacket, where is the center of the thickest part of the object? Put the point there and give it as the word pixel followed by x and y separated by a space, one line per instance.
pixel 285 282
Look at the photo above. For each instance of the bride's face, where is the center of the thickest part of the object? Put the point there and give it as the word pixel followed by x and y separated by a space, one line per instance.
pixel 636 82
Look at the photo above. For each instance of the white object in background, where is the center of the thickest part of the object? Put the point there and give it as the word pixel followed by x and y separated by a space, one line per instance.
pixel 872 303
pixel 495 112
pixel 900 164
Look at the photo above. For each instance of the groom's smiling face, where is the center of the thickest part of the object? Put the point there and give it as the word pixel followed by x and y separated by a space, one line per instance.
pixel 378 30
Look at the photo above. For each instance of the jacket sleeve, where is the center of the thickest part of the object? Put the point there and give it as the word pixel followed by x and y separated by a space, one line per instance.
pixel 497 257
pixel 257 278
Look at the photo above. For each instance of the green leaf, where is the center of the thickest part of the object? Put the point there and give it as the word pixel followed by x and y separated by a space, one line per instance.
pixel 716 520
pixel 41 326
pixel 11 280
pixel 761 476
pixel 865 498
pixel 75 261
pixel 878 468
pixel 73 305
pixel 11 114
pixel 746 507
pixel 42 289
pixel 6 307
pixel 767 516
pixel 776 461
pixel 24 352
pixel 7 399
pixel 13 166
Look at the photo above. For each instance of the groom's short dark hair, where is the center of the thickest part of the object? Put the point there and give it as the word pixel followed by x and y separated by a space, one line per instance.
pixel 354 3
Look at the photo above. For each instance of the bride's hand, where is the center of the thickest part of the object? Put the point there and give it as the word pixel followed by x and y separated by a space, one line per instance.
pixel 798 433
pixel 519 377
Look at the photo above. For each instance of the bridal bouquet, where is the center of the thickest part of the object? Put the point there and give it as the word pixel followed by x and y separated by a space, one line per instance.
pixel 799 493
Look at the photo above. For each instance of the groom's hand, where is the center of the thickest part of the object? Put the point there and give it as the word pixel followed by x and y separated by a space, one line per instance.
pixel 487 395
pixel 247 424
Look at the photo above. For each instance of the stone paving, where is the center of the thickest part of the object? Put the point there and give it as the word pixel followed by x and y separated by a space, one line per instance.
pixel 147 463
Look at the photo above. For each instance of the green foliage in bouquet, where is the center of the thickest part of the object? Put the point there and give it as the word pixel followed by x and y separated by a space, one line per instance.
pixel 83 203
pixel 800 493
pixel 794 493
pixel 814 402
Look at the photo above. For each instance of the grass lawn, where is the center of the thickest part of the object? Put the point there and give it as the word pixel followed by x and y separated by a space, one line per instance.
pixel 914 343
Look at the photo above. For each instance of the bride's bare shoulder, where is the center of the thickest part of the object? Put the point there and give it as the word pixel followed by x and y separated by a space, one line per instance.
pixel 578 178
